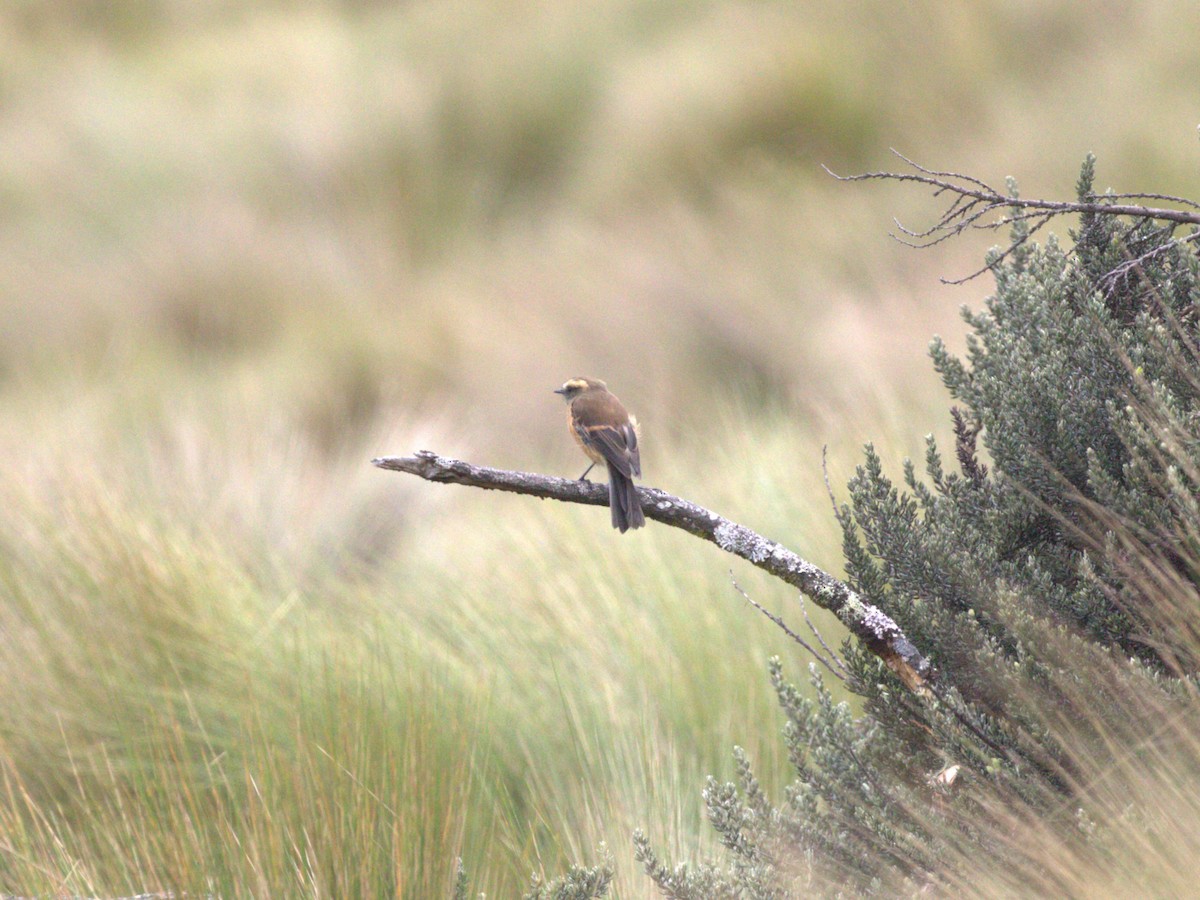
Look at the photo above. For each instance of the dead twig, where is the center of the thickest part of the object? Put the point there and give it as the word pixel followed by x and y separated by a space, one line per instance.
pixel 878 632
pixel 974 201
pixel 782 625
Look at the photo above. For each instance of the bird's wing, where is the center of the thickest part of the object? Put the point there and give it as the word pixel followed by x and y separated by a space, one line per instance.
pixel 631 441
pixel 616 443
pixel 611 444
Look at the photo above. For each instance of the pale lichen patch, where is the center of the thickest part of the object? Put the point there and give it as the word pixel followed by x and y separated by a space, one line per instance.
pixel 880 624
pixel 744 542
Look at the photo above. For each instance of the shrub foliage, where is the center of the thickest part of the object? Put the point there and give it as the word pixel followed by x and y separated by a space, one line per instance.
pixel 1048 572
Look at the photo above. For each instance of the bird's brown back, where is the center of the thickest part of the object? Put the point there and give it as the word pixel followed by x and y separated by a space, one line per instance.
pixel 604 430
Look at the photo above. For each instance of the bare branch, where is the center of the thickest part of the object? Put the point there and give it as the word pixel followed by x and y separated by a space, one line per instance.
pixel 837 660
pixel 1012 248
pixel 825 474
pixel 1110 279
pixel 869 624
pixel 985 193
pixel 1170 198
pixel 973 201
pixel 782 625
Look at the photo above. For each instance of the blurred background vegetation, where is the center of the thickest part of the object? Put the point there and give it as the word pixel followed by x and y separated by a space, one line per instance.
pixel 247 247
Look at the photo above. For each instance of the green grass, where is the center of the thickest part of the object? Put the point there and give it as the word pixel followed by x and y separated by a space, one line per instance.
pixel 197 703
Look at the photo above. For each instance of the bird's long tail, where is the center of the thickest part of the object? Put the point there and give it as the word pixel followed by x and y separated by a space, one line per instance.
pixel 624 502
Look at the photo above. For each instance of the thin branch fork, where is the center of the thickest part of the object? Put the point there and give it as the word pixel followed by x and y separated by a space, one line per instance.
pixel 974 201
pixel 828 663
pixel 878 632
pixel 995 199
pixel 985 193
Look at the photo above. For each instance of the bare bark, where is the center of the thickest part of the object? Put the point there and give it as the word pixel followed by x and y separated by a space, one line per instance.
pixel 872 626
pixel 973 201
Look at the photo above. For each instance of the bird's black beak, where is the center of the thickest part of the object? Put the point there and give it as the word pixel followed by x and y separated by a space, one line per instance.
pixel 562 391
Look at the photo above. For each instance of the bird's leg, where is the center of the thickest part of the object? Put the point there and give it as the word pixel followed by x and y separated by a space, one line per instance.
pixel 584 477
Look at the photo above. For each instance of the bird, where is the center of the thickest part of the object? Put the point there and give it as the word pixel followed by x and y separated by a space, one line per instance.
pixel 609 435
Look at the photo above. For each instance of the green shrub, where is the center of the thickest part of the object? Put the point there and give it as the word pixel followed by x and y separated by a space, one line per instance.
pixel 1051 585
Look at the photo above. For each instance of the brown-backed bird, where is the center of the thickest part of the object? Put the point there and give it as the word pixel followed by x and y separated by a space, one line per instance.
pixel 607 434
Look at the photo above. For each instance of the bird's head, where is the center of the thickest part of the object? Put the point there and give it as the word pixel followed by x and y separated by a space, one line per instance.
pixel 576 386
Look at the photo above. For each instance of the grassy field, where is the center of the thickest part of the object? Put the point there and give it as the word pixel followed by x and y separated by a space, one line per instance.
pixel 249 247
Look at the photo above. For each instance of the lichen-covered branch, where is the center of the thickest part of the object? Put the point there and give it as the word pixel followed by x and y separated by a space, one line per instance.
pixel 874 628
